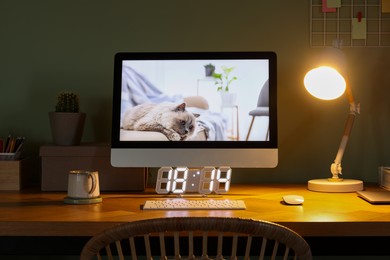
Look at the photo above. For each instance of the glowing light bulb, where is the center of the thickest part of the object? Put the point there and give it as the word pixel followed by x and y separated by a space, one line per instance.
pixel 324 83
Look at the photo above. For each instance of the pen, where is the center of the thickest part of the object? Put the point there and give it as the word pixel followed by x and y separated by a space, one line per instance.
pixel 11 144
pixel 19 145
pixel 6 144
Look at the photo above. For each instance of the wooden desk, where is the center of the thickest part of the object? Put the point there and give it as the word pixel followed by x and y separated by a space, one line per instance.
pixel 322 214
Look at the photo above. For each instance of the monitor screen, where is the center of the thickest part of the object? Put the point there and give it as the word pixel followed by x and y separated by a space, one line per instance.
pixel 195 109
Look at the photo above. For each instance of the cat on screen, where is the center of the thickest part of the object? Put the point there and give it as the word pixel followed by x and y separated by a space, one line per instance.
pixel 170 119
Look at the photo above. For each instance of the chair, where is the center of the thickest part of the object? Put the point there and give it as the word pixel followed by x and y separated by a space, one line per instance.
pixel 196 238
pixel 262 108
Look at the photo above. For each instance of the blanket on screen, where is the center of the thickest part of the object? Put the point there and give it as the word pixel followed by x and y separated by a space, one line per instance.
pixel 137 89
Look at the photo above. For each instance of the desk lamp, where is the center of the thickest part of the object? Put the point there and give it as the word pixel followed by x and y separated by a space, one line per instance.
pixel 329 81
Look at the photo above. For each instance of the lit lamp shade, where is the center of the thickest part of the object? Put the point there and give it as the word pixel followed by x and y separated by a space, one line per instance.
pixel 324 83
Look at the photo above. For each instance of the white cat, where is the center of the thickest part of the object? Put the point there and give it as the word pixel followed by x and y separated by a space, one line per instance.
pixel 170 119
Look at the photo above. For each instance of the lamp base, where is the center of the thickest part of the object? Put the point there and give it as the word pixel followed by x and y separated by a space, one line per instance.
pixel 324 185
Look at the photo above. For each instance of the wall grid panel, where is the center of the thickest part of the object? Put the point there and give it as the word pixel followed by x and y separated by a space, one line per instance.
pixel 335 28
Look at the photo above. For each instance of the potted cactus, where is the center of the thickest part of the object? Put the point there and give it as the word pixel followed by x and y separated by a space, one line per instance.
pixel 67 122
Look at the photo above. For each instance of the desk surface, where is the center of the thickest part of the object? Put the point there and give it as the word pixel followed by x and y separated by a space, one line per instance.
pixel 322 214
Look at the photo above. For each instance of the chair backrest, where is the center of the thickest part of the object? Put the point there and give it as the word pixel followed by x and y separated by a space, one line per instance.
pixel 197 237
pixel 263 100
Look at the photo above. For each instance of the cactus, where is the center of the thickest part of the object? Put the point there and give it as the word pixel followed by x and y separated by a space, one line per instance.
pixel 67 102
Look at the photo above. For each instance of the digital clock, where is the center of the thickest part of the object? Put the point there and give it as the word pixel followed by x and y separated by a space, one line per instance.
pixel 180 180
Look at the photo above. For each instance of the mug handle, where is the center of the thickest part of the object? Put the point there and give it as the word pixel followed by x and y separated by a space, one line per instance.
pixel 93 179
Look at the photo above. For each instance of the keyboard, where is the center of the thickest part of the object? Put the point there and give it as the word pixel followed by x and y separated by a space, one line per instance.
pixel 193 204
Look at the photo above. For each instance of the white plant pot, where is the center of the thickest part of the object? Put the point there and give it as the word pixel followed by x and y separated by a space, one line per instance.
pixel 228 99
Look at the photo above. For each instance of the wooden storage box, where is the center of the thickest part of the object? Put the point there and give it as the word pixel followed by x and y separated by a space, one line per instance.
pixel 57 161
pixel 12 174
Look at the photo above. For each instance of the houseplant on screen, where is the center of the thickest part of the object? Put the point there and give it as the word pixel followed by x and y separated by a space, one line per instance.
pixel 67 122
pixel 223 81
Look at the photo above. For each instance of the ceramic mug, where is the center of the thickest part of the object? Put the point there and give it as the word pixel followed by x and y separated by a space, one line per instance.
pixel 83 184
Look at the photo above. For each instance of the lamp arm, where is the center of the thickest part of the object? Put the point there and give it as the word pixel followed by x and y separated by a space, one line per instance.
pixel 335 167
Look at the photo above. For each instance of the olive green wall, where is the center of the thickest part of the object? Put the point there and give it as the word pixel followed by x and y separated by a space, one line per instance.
pixel 49 46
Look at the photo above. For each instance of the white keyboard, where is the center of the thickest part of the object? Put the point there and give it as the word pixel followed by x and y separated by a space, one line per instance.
pixel 186 204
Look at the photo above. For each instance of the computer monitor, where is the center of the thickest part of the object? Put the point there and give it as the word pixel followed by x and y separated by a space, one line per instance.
pixel 170 110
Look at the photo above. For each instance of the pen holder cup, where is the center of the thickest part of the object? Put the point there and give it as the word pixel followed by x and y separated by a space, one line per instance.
pixel 9 156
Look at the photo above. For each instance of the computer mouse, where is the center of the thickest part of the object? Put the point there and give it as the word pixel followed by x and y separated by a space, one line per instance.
pixel 293 199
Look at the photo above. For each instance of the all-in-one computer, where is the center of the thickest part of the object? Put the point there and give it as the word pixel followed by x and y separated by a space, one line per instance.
pixel 196 115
